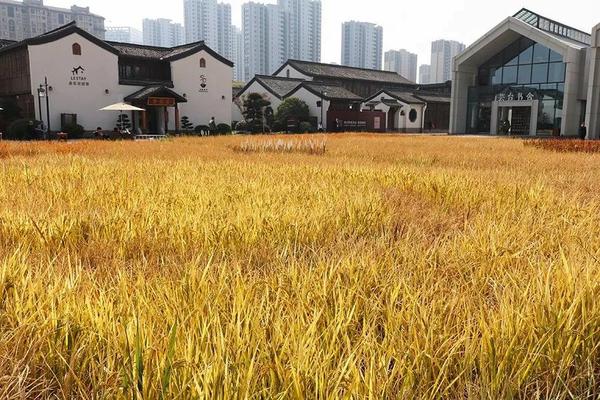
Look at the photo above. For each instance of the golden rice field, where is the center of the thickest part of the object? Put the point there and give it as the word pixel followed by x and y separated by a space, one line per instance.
pixel 387 267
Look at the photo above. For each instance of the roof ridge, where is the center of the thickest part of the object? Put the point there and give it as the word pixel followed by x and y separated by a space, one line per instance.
pixel 344 66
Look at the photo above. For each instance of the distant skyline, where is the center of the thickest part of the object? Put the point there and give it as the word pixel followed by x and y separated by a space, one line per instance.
pixel 412 28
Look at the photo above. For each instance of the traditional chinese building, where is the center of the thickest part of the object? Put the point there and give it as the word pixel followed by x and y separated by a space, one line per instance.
pixel 85 73
pixel 347 98
pixel 529 75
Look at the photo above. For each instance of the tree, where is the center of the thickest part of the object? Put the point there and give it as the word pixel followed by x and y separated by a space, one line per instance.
pixel 186 125
pixel 254 112
pixel 123 122
pixel 292 108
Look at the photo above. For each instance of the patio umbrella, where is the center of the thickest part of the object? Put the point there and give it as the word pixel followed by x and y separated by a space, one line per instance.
pixel 120 107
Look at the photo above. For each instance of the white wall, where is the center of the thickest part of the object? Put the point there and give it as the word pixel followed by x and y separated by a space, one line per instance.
pixel 403 122
pixel 56 61
pixel 203 103
pixel 311 100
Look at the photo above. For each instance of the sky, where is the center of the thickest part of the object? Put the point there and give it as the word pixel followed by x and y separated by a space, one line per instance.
pixel 410 25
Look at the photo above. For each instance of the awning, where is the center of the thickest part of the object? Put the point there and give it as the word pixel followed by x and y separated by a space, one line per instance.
pixel 147 94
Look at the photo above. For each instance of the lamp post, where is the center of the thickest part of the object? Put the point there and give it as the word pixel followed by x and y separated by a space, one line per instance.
pixel 323 95
pixel 43 92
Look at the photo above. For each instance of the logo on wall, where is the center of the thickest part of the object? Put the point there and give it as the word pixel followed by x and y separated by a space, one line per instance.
pixel 203 84
pixel 78 77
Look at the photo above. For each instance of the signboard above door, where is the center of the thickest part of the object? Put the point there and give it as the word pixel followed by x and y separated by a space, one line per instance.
pixel 161 101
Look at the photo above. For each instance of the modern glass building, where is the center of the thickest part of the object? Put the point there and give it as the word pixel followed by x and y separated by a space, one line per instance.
pixel 528 76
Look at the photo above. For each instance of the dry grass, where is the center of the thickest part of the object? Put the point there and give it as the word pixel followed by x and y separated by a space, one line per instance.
pixel 282 145
pixel 389 267
pixel 565 145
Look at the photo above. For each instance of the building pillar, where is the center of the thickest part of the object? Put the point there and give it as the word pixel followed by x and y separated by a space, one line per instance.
pixel 462 78
pixel 177 126
pixel 145 120
pixel 570 114
pixel 593 93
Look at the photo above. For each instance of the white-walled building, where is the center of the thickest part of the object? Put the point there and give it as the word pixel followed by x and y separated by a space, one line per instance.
pixel 402 62
pixel 85 74
pixel 124 34
pixel 362 45
pixel 162 32
pixel 353 96
pixel 442 54
pixel 21 20
pixel 529 75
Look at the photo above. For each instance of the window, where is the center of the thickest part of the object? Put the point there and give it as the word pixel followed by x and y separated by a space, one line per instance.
pixel 76 49
pixel 412 115
pixel 202 63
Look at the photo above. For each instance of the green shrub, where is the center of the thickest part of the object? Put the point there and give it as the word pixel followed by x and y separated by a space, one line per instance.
pixel 22 129
pixel 75 131
pixel 291 108
pixel 202 129
pixel 223 129
pixel 305 127
pixel 186 125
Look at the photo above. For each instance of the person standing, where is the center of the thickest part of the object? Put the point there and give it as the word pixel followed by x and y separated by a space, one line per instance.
pixel 582 131
pixel 212 126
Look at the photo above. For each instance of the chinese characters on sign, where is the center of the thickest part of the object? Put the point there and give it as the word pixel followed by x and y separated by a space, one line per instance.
pixel 519 96
pixel 161 101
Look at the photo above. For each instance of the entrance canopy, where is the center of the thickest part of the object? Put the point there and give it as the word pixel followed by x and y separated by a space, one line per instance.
pixel 156 96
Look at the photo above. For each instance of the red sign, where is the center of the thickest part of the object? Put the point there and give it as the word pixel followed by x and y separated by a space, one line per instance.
pixel 161 101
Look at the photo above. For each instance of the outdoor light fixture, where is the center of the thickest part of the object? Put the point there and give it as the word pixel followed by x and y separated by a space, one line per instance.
pixel 323 95
pixel 43 91
pixel 106 91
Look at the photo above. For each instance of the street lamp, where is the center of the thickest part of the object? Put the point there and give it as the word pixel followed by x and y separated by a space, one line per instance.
pixel 323 95
pixel 43 92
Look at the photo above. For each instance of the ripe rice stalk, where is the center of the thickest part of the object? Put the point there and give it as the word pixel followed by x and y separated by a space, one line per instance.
pixel 387 267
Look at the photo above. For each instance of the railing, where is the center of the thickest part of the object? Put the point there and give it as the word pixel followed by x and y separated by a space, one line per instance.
pixel 150 137
pixel 553 27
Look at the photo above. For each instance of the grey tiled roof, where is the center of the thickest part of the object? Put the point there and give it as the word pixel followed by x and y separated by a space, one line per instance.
pixel 334 92
pixel 279 86
pixel 433 97
pixel 317 70
pixel 137 50
pixel 164 53
pixel 4 42
pixel 406 97
pixel 155 90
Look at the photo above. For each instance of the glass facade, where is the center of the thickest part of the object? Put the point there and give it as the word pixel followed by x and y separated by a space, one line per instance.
pixel 522 67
